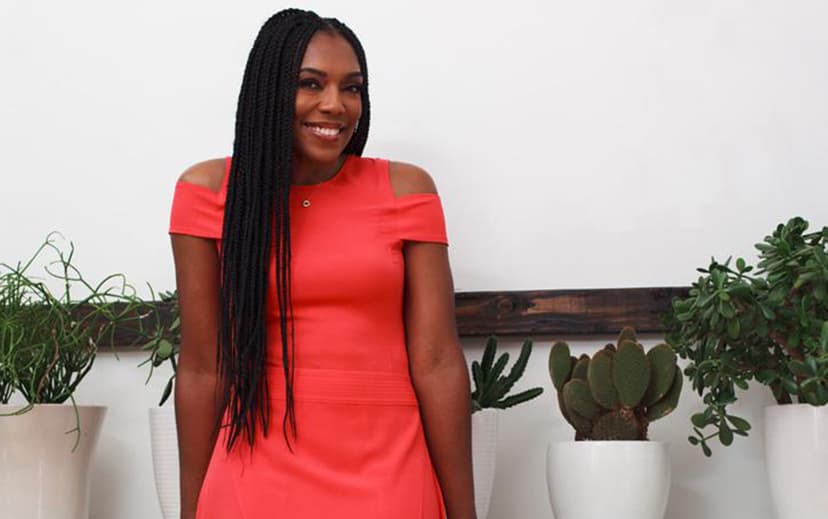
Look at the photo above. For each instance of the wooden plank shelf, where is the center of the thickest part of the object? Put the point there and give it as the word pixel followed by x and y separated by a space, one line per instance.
pixel 543 312
pixel 564 312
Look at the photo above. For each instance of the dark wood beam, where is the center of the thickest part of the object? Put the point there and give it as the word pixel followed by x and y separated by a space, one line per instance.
pixel 534 312
pixel 564 312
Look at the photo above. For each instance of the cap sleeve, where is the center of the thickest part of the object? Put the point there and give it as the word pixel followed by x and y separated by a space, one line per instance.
pixel 420 217
pixel 196 211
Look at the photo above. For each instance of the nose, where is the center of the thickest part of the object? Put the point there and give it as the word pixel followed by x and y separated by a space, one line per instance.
pixel 331 101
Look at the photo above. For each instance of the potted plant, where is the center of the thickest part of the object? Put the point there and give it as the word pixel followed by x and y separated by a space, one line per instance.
pixel 48 344
pixel 768 324
pixel 163 345
pixel 491 392
pixel 610 399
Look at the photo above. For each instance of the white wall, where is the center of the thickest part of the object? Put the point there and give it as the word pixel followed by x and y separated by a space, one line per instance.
pixel 575 145
pixel 598 143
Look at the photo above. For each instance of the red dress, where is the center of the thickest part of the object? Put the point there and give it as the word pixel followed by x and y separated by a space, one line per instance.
pixel 360 450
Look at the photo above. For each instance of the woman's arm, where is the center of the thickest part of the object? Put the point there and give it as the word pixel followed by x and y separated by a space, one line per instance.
pixel 437 365
pixel 439 373
pixel 196 396
pixel 196 389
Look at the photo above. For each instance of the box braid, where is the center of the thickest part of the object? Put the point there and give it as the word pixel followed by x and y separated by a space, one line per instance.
pixel 257 219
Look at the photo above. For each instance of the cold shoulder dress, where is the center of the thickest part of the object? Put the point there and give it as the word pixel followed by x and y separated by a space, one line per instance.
pixel 360 451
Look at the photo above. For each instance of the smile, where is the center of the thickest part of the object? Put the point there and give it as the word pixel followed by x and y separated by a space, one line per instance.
pixel 324 132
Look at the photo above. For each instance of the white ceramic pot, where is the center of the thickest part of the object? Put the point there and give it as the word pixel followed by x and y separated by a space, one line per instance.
pixel 484 455
pixel 40 475
pixel 608 479
pixel 796 454
pixel 164 439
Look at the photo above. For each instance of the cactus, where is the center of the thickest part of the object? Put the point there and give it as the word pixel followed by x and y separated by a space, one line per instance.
pixel 615 394
pixel 491 387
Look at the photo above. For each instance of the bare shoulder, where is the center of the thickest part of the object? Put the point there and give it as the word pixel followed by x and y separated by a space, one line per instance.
pixel 209 174
pixel 408 179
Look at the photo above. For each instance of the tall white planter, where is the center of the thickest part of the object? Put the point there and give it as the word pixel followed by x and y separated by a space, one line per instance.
pixel 40 476
pixel 164 439
pixel 484 455
pixel 796 453
pixel 608 479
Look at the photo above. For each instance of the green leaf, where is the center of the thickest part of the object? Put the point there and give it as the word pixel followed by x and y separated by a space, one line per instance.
pixel 740 290
pixel 701 302
pixel 718 277
pixel 165 349
pixel 823 337
pixel 699 420
pixel 727 309
pixel 733 328
pixel 167 392
pixel 739 423
pixel 685 316
pixel 790 386
pixel 803 279
pixel 820 291
pixel 488 355
pixel 740 264
pixel 477 378
pixel 519 398
pixel 812 365
pixel 520 365
pixel 497 369
pixel 725 434
pixel 706 449
pixel 798 368
pixel 767 312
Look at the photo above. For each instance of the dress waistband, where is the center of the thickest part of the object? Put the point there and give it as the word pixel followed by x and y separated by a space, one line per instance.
pixel 344 386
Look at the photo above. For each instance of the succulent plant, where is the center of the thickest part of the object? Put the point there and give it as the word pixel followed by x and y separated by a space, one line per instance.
pixel 616 393
pixel 491 387
pixel 164 340
pixel 767 323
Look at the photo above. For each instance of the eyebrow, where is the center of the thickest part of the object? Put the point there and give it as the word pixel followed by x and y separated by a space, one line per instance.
pixel 324 74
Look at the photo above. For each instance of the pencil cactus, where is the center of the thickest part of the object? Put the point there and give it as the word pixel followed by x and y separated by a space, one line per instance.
pixel 616 393
pixel 491 387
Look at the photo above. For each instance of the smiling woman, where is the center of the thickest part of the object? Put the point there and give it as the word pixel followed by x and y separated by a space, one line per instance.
pixel 328 106
pixel 314 286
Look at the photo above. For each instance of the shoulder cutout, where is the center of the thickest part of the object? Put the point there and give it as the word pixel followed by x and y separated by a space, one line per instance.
pixel 408 179
pixel 209 174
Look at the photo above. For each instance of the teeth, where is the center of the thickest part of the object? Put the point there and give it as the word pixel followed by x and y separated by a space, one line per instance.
pixel 325 132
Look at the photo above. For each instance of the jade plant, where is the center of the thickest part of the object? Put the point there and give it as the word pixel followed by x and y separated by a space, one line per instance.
pixel 767 323
pixel 491 387
pixel 619 391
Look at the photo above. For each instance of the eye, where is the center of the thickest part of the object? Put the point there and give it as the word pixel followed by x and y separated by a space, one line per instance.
pixel 309 83
pixel 356 88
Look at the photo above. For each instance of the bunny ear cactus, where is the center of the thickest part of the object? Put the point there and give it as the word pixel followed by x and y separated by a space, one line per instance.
pixel 615 394
pixel 491 387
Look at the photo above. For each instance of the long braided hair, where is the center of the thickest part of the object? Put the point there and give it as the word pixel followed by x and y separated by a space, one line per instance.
pixel 257 220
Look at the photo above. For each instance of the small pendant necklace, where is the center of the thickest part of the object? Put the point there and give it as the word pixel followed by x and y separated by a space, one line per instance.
pixel 307 196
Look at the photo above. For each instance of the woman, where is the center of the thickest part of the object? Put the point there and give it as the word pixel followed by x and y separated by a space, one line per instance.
pixel 315 289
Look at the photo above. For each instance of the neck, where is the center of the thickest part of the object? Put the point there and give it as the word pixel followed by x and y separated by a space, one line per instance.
pixel 307 172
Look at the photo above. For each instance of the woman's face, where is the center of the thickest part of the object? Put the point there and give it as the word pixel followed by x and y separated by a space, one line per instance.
pixel 328 102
